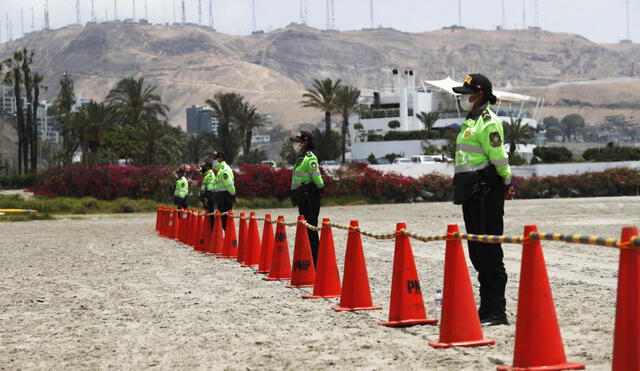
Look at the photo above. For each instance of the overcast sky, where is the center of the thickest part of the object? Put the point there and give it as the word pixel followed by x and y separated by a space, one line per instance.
pixel 600 21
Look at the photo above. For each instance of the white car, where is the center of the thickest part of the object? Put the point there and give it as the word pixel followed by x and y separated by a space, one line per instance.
pixel 424 159
pixel 329 163
pixel 271 164
pixel 401 160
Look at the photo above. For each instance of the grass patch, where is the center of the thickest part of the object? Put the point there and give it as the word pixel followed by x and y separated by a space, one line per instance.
pixel 25 217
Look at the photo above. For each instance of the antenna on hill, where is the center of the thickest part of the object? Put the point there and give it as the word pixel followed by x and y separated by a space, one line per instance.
pixel 524 12
pixel 78 12
pixel 328 16
pixel 184 13
pixel 174 11
pixel 306 11
pixel 33 19
pixel 134 10
pixel 371 9
pixel 115 9
pixel 333 16
pixel 628 36
pixel 21 22
pixel 460 13
pixel 504 16
pixel 253 19
pixel 46 15
pixel 301 11
pixel 93 13
pixel 146 10
pixel 537 14
pixel 199 11
pixel 211 13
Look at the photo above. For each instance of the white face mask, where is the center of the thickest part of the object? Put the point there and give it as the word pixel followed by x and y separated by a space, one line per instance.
pixel 215 163
pixel 298 147
pixel 465 104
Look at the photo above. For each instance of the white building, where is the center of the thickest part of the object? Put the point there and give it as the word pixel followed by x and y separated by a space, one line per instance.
pixel 404 101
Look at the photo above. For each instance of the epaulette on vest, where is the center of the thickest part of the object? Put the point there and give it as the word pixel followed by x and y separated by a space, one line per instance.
pixel 486 115
pixel 309 154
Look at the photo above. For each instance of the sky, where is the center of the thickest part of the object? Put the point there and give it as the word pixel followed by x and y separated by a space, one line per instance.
pixel 599 21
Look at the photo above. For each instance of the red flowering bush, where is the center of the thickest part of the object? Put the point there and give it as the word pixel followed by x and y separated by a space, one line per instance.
pixel 106 182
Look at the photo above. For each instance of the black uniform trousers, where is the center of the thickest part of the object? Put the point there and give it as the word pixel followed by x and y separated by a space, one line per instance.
pixel 484 215
pixel 309 206
pixel 224 207
pixel 181 202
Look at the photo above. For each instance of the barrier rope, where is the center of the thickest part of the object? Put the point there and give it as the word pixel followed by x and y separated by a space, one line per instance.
pixel 633 243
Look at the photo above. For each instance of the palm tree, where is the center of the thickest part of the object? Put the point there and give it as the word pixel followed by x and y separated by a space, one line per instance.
pixel 14 77
pixel 136 103
pixel 515 133
pixel 97 117
pixel 37 83
pixel 226 107
pixel 248 119
pixel 346 103
pixel 428 119
pixel 321 96
pixel 196 147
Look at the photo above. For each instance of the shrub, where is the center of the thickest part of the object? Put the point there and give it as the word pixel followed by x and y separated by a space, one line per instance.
pixel 17 181
pixel 612 153
pixel 552 155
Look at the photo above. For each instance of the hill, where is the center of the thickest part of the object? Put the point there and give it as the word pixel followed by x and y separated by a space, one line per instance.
pixel 189 64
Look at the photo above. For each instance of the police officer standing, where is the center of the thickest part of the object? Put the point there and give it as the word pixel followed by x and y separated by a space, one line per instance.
pixel 307 186
pixel 207 188
pixel 225 189
pixel 182 190
pixel 482 182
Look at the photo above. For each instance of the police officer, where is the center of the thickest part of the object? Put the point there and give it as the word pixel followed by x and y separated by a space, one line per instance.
pixel 182 190
pixel 307 186
pixel 225 189
pixel 482 182
pixel 207 188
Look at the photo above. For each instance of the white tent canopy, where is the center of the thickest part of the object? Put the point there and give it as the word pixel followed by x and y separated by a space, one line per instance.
pixel 448 84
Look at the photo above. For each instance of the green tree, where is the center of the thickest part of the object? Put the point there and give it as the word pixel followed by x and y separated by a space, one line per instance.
pixel 393 124
pixel 94 120
pixel 572 124
pixel 428 119
pixel 195 147
pixel 327 145
pixel 14 77
pixel 515 134
pixel 62 105
pixel 551 121
pixel 226 107
pixel 135 103
pixel 247 119
pixel 321 96
pixel 288 153
pixel 346 103
pixel 254 157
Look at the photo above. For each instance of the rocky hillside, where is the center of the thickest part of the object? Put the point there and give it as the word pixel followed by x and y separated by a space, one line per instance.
pixel 189 64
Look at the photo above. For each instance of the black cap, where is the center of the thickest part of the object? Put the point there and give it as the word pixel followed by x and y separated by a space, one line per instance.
pixel 207 164
pixel 474 83
pixel 218 154
pixel 302 136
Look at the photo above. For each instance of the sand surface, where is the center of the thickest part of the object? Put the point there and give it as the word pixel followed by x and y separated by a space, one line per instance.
pixel 105 292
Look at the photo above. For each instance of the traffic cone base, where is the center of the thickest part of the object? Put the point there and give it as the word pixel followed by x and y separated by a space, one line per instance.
pixel 320 296
pixel 409 322
pixel 276 279
pixel 338 308
pixel 475 343
pixel 564 366
pixel 297 286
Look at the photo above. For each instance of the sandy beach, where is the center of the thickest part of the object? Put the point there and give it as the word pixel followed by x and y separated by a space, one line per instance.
pixel 105 292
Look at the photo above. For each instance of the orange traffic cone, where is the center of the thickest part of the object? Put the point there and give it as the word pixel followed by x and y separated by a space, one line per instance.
pixel 626 348
pixel 158 208
pixel 252 254
pixel 356 293
pixel 170 226
pixel 176 223
pixel 216 242
pixel 280 263
pixel 538 340
pixel 459 322
pixel 406 306
pixel 230 241
pixel 165 223
pixel 198 230
pixel 184 226
pixel 202 233
pixel 207 232
pixel 327 282
pixel 266 247
pixel 304 272
pixel 192 227
pixel 242 238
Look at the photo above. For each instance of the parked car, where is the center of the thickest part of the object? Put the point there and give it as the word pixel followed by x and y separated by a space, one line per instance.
pixel 401 160
pixel 382 161
pixel 271 164
pixel 329 163
pixel 423 159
